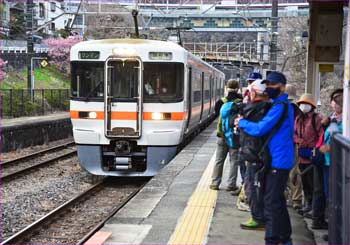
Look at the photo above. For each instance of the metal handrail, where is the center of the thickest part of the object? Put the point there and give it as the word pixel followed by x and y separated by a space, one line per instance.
pixel 339 191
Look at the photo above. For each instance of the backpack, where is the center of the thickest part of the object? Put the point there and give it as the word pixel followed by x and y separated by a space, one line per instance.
pixel 228 113
pixel 264 153
pixel 313 123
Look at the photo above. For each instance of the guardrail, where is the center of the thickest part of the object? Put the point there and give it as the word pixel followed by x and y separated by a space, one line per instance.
pixel 224 51
pixel 18 102
pixel 339 191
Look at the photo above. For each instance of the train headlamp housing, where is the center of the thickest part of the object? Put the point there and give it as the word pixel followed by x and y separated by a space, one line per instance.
pixel 87 114
pixel 92 115
pixel 161 116
pixel 124 51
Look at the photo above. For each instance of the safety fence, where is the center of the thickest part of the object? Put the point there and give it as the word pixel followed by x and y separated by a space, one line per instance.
pixel 23 102
pixel 339 191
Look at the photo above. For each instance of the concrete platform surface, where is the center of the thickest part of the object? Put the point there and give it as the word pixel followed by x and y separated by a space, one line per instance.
pixel 177 206
pixel 24 120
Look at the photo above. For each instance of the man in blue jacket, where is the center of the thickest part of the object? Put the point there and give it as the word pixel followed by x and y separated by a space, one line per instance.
pixel 280 147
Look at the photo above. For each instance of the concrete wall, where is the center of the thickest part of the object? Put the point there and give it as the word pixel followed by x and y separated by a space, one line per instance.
pixel 36 133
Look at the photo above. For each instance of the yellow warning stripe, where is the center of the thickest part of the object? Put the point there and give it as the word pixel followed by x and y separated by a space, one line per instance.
pixel 194 223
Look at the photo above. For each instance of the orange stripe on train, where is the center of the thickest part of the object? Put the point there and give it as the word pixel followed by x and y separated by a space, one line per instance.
pixel 127 115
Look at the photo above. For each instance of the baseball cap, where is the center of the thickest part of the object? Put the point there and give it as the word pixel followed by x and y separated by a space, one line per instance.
pixel 253 76
pixel 258 86
pixel 275 77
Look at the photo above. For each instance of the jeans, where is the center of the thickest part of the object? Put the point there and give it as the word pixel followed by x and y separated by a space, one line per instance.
pixel 256 198
pixel 278 226
pixel 221 153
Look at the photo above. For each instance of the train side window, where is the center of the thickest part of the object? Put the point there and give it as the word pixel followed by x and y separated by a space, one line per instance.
pixel 218 90
pixel 206 87
pixel 197 96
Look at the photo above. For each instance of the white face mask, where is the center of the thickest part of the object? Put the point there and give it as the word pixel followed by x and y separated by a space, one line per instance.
pixel 305 108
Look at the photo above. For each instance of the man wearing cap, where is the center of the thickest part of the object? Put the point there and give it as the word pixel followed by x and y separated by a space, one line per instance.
pixel 222 147
pixel 279 120
pixel 251 78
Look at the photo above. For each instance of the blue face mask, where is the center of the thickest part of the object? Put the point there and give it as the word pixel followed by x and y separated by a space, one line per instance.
pixel 273 92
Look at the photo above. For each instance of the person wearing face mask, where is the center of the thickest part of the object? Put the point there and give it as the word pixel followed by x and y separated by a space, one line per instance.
pixel 278 126
pixel 332 125
pixel 308 129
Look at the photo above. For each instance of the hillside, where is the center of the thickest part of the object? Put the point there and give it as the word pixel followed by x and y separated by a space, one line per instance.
pixel 44 78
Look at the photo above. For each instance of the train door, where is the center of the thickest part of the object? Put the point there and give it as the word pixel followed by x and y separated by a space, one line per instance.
pixel 210 93
pixel 202 92
pixel 189 98
pixel 123 98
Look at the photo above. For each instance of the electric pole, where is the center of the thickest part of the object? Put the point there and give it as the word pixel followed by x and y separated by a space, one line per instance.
pixel 30 43
pixel 274 33
pixel 134 14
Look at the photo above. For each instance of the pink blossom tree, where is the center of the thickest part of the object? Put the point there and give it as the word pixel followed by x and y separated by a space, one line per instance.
pixel 2 73
pixel 59 49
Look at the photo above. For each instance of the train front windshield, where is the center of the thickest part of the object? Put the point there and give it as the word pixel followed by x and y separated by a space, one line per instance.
pixel 162 82
pixel 87 80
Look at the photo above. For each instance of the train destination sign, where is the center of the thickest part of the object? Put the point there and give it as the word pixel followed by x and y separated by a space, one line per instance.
pixel 160 55
pixel 89 55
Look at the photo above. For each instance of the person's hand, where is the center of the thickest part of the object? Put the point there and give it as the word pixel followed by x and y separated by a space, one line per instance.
pixel 325 148
pixel 237 120
pixel 325 121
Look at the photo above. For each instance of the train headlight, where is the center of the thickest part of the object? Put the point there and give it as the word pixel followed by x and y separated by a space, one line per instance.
pixel 157 116
pixel 161 116
pixel 92 115
pixel 124 51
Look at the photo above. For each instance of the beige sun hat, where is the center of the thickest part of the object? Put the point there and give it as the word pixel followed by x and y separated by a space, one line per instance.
pixel 307 98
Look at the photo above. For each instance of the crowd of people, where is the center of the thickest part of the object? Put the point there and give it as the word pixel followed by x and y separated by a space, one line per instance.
pixel 280 144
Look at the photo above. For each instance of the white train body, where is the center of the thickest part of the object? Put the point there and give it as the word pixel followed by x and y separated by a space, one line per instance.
pixel 135 101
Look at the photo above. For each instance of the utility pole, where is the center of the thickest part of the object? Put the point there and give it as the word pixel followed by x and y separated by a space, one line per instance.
pixel 134 14
pixel 274 31
pixel 30 43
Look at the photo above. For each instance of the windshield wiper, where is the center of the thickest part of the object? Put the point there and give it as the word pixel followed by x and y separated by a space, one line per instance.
pixel 94 90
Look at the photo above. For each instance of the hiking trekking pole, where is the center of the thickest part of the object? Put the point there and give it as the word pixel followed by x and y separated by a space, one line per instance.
pixel 307 169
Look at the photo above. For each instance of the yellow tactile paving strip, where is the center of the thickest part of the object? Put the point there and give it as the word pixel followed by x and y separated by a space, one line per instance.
pixel 194 223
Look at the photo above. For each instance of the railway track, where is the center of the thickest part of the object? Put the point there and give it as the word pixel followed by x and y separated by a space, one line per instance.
pixel 78 219
pixel 15 167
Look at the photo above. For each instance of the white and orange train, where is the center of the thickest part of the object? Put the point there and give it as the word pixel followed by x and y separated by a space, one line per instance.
pixel 135 101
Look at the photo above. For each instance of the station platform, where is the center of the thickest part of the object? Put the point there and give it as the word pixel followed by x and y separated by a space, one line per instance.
pixel 11 122
pixel 177 207
pixel 21 132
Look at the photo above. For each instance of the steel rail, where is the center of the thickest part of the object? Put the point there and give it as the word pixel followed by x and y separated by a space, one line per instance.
pixel 26 232
pixel 46 162
pixel 35 154
pixel 111 214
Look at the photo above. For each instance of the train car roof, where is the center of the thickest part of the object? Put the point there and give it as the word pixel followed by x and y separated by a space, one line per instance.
pixel 145 43
pixel 132 42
